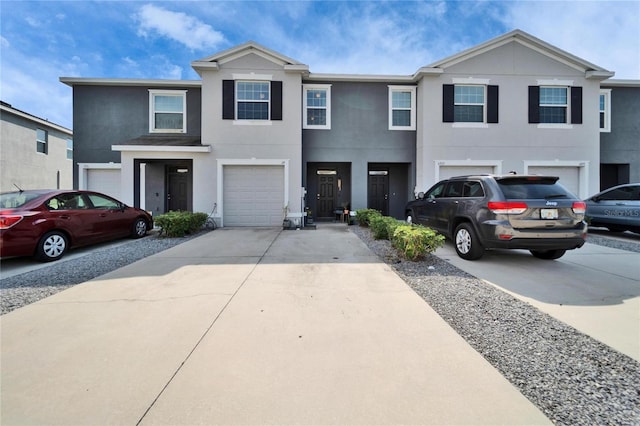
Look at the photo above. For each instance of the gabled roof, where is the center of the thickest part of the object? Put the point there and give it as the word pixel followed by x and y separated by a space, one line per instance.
pixel 519 36
pixel 250 47
pixel 133 82
pixel 165 140
pixel 8 108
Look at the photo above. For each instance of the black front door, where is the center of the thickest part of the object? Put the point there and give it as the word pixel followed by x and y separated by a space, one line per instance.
pixel 379 191
pixel 177 189
pixel 326 196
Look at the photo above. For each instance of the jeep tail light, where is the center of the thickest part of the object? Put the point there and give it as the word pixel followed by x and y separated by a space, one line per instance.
pixel 507 207
pixel 7 221
pixel 579 207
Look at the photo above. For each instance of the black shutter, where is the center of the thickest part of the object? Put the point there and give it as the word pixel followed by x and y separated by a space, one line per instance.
pixel 228 99
pixel 447 103
pixel 276 100
pixel 576 105
pixel 492 104
pixel 534 104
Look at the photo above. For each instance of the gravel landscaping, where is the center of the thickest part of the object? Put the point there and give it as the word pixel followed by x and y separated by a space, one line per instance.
pixel 572 378
pixel 20 290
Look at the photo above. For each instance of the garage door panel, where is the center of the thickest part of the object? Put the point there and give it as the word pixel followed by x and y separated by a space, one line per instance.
pixel 106 181
pixel 569 176
pixel 253 195
pixel 446 172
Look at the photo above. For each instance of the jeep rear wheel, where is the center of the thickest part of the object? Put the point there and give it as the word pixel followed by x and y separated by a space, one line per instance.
pixel 466 242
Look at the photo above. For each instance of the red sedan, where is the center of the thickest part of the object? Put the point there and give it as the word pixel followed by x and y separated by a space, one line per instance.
pixel 46 223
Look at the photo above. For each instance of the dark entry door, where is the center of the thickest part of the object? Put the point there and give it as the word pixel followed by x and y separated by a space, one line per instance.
pixel 326 195
pixel 177 189
pixel 379 191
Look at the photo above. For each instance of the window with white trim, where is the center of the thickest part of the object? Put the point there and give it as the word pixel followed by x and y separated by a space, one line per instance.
pixel 402 107
pixel 167 111
pixel 69 149
pixel 252 100
pixel 475 102
pixel 468 103
pixel 605 110
pixel 316 106
pixel 42 141
pixel 553 104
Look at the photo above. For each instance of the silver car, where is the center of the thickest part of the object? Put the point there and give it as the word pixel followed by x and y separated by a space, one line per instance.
pixel 617 208
pixel 480 212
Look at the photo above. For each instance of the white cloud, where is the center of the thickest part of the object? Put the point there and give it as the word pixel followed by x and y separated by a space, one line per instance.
pixel 33 21
pixel 178 26
pixel 37 93
pixel 606 34
pixel 4 42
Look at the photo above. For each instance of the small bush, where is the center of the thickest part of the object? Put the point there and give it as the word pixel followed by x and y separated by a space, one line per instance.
pixel 364 216
pixel 416 241
pixel 178 224
pixel 383 227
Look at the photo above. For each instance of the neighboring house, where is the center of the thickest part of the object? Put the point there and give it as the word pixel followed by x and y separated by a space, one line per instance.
pixel 34 153
pixel 619 132
pixel 262 138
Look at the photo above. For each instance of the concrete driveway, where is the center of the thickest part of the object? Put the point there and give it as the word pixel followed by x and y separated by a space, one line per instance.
pixel 248 326
pixel 594 289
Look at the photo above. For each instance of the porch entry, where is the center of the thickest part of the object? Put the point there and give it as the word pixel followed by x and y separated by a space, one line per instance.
pixel 388 188
pixel 178 179
pixel 378 191
pixel 167 184
pixel 613 174
pixel 328 189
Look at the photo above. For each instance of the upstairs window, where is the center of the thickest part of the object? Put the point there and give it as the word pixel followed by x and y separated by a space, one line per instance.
pixel 469 103
pixel 402 108
pixel 70 149
pixel 605 110
pixel 42 141
pixel 167 111
pixel 317 106
pixel 251 100
pixel 555 105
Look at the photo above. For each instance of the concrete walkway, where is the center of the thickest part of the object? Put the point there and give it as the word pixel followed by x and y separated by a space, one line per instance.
pixel 252 327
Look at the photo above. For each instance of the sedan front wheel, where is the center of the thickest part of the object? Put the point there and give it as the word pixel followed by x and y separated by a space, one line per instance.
pixel 139 228
pixel 52 246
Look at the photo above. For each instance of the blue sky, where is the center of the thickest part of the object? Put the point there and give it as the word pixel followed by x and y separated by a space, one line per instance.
pixel 42 41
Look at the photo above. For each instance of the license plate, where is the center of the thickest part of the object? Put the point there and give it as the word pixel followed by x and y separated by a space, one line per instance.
pixel 548 213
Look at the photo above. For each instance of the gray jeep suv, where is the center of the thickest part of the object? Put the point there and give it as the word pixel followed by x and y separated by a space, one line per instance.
pixel 481 212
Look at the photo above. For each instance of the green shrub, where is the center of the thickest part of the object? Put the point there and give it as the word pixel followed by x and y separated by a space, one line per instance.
pixel 383 227
pixel 416 241
pixel 364 216
pixel 178 224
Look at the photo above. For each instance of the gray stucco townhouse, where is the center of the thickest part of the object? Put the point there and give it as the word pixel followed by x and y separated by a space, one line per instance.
pixel 262 138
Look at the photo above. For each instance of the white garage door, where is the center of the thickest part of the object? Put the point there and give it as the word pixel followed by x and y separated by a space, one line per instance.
pixel 569 176
pixel 253 195
pixel 451 171
pixel 106 181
